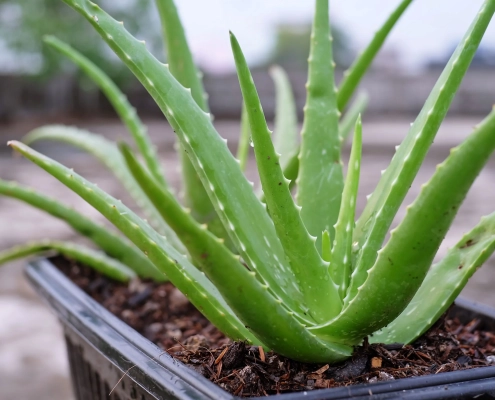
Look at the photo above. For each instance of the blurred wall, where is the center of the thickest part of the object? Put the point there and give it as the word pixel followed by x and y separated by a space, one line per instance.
pixel 390 93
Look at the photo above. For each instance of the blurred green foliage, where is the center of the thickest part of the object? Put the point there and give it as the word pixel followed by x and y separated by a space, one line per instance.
pixel 292 46
pixel 24 22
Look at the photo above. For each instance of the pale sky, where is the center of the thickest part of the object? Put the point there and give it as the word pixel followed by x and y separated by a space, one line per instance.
pixel 427 29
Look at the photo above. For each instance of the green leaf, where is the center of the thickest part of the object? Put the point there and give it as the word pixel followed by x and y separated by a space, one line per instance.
pixel 245 137
pixel 187 278
pixel 291 168
pixel 442 285
pixel 403 263
pixel 299 344
pixel 91 258
pixel 355 73
pixel 310 271
pixel 119 101
pixel 114 245
pixel 405 259
pixel 108 154
pixel 341 261
pixel 242 214
pixel 182 67
pixel 320 180
pixel 179 55
pixel 250 300
pixel 285 136
pixel 349 120
pixel 190 232
pixel 394 184
pixel 326 247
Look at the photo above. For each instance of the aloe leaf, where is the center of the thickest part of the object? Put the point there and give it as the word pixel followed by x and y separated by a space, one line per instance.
pixel 291 167
pixel 250 300
pixel 94 259
pixel 189 231
pixel 182 67
pixel 340 266
pixel 242 214
pixel 285 136
pixel 179 55
pixel 404 261
pixel 253 299
pixel 394 184
pixel 114 245
pixel 310 271
pixel 320 180
pixel 187 278
pixel 355 73
pixel 326 246
pixel 124 109
pixel 350 117
pixel 245 137
pixel 107 153
pixel 442 285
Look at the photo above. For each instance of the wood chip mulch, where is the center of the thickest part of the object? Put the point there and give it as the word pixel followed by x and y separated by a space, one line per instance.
pixel 163 315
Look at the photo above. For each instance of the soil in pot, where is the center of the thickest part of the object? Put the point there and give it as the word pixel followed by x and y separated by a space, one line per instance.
pixel 164 316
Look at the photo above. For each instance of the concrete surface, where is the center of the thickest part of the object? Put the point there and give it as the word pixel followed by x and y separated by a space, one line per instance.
pixel 32 359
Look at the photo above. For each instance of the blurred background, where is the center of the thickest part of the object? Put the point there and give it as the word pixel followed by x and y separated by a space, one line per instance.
pixel 39 87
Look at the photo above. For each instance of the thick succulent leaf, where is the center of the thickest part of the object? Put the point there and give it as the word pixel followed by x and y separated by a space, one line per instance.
pixel 124 109
pixel 320 181
pixel 285 136
pixel 340 266
pixel 351 116
pixel 403 263
pixel 187 278
pixel 179 55
pixel 394 184
pixel 442 285
pixel 114 245
pixel 353 76
pixel 109 155
pixel 189 231
pixel 241 212
pixel 310 271
pixel 182 67
pixel 94 259
pixel 291 168
pixel 253 300
pixel 326 246
pixel 250 300
pixel 244 139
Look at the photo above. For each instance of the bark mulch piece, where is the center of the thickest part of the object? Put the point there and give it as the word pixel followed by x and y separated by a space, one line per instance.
pixel 163 315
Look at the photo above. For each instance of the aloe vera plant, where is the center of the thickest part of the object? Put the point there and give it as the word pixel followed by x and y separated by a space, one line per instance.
pixel 299 276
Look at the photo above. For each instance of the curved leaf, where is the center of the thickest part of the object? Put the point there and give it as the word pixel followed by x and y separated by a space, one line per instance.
pixel 114 245
pixel 310 271
pixel 320 180
pixel 187 278
pixel 94 259
pixel 355 73
pixel 124 109
pixel 394 184
pixel 109 155
pixel 241 213
pixel 442 285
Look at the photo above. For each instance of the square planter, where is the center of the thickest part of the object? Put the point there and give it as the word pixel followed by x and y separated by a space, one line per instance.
pixel 105 353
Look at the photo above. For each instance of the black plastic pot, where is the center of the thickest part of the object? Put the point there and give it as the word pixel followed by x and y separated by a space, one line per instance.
pixel 105 353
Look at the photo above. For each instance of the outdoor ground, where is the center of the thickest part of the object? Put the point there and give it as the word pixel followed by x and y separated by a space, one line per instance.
pixel 32 354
